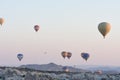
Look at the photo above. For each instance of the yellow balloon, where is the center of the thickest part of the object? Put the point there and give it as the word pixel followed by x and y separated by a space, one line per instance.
pixel 1 21
pixel 104 28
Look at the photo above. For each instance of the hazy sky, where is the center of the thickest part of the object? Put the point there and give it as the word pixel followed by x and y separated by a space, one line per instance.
pixel 65 25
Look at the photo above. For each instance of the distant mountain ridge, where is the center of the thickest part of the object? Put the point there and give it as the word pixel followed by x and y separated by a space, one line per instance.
pixel 51 67
pixel 105 69
pixel 82 68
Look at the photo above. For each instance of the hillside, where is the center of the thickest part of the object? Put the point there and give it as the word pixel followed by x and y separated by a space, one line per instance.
pixel 17 73
pixel 52 67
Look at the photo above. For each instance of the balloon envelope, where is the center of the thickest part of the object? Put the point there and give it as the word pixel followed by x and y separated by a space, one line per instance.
pixel 64 54
pixel 1 21
pixel 69 54
pixel 104 28
pixel 36 28
pixel 20 56
pixel 85 56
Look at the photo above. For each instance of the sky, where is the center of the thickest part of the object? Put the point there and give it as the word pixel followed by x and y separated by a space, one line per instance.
pixel 65 25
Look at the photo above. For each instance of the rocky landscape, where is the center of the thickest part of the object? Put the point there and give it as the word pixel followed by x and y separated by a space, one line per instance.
pixel 52 72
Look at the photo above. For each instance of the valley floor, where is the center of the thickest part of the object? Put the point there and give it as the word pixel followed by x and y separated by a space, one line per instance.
pixel 8 73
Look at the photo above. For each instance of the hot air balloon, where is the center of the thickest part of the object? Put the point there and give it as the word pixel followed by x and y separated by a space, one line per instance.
pixel 20 56
pixel 104 28
pixel 98 72
pixel 64 54
pixel 85 56
pixel 1 21
pixel 65 68
pixel 36 27
pixel 69 54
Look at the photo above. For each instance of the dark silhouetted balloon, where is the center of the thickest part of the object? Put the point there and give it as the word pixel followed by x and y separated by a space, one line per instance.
pixel 36 27
pixel 85 56
pixel 20 56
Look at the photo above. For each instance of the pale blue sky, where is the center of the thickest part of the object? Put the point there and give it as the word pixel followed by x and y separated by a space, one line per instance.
pixel 69 25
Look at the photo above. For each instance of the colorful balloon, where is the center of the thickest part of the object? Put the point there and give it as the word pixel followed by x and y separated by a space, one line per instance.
pixel 36 28
pixel 20 57
pixel 1 21
pixel 64 54
pixel 69 54
pixel 104 28
pixel 85 56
